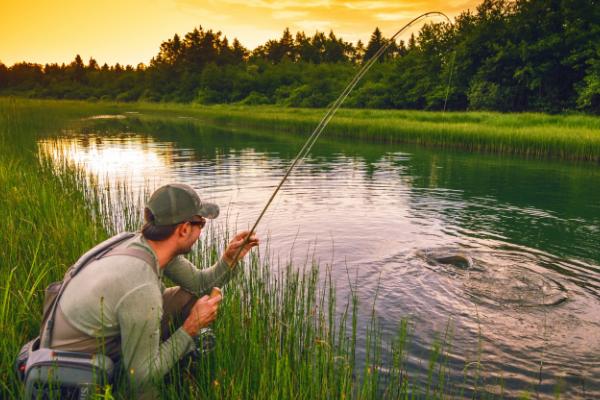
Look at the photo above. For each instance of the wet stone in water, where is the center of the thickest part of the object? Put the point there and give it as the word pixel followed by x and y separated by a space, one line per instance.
pixel 448 256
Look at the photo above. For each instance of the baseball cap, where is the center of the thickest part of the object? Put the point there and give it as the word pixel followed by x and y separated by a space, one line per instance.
pixel 176 202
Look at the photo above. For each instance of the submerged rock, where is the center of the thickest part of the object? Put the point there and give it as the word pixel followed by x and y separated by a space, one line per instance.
pixel 447 256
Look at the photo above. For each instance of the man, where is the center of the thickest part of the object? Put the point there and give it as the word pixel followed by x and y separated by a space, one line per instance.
pixel 118 305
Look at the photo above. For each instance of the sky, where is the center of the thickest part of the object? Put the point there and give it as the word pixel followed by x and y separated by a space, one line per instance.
pixel 130 31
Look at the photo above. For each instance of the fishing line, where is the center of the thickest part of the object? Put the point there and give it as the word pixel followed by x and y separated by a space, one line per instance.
pixel 330 113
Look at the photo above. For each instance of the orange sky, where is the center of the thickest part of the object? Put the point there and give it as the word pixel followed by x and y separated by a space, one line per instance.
pixel 130 31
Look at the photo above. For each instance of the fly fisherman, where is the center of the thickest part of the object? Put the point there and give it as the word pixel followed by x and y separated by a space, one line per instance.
pixel 119 306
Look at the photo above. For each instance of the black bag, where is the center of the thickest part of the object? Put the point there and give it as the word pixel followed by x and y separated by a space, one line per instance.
pixel 49 373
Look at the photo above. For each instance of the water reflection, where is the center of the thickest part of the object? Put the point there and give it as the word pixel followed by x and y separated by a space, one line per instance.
pixel 527 314
pixel 131 158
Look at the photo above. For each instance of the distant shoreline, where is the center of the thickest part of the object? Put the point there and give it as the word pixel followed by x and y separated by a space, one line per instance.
pixel 572 137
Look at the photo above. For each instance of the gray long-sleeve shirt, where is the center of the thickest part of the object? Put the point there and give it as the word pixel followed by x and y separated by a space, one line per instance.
pixel 119 299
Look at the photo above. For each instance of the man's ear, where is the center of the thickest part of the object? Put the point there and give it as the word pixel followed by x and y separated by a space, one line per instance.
pixel 183 230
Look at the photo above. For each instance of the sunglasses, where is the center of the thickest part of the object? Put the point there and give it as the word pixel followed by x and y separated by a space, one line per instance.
pixel 200 223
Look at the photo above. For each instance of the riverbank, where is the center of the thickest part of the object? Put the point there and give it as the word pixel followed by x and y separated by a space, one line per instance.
pixel 573 137
pixel 560 137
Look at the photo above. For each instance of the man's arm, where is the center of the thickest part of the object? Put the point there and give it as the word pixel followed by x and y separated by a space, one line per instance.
pixel 145 359
pixel 200 282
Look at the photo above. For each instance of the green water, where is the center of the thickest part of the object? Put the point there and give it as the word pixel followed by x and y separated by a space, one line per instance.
pixel 531 229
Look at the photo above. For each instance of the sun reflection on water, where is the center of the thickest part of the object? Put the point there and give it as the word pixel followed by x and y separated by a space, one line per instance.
pixel 132 159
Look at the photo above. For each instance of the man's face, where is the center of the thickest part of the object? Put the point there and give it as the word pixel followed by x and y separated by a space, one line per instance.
pixel 189 234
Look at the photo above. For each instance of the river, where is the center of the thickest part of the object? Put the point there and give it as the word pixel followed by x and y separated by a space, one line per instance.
pixel 524 311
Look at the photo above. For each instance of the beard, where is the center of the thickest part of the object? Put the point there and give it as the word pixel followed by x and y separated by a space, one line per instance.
pixel 185 249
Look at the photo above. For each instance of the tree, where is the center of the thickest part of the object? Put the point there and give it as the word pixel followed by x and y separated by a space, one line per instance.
pixel 286 46
pixel 305 48
pixel 402 50
pixel 412 42
pixel 77 69
pixel 25 76
pixel 92 64
pixel 375 43
pixel 239 52
pixel 335 49
pixel 359 52
pixel 589 89
pixel 170 51
pixel 3 76
pixel 200 48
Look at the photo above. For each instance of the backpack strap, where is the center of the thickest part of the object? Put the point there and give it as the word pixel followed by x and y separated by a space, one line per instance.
pixel 108 247
pixel 133 252
pixel 98 252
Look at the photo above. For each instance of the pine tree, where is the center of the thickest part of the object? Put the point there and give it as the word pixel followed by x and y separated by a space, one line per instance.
pixel 375 43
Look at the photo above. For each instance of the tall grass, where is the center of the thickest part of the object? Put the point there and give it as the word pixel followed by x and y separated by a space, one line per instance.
pixel 563 137
pixel 280 334
pixel 46 224
pixel 566 137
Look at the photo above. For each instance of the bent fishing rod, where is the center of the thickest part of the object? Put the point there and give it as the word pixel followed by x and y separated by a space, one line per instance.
pixel 327 117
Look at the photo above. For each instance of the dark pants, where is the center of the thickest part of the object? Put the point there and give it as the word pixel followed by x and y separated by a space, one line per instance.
pixel 177 304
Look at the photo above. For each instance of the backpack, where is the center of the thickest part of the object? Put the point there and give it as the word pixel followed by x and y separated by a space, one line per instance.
pixel 48 373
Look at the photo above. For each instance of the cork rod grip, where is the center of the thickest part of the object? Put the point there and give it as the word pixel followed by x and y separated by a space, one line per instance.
pixel 215 292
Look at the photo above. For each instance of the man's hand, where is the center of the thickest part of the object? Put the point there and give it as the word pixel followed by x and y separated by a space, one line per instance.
pixel 202 314
pixel 234 246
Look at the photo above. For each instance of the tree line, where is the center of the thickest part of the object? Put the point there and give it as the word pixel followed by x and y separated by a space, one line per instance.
pixel 522 55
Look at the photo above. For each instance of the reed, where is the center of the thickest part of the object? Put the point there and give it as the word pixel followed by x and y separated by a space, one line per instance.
pixel 46 225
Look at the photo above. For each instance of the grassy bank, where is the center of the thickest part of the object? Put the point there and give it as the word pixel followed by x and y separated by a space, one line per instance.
pixel 278 332
pixel 563 137
pixel 46 224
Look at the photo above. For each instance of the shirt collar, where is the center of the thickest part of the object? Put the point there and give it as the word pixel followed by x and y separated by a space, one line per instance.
pixel 143 243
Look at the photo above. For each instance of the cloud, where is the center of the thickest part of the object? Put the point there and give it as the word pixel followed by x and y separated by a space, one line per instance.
pixel 314 25
pixel 287 15
pixel 260 4
pixel 398 16
pixel 366 5
pixel 205 14
pixel 350 19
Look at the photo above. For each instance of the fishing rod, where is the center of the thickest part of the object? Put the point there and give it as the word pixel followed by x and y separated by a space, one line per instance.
pixel 329 114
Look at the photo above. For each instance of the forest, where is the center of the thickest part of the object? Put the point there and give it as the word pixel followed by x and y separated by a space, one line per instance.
pixel 523 55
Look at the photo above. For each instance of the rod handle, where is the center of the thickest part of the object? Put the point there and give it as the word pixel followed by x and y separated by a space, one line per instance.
pixel 215 292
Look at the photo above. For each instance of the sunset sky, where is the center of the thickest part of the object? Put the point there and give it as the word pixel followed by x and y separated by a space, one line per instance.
pixel 130 31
